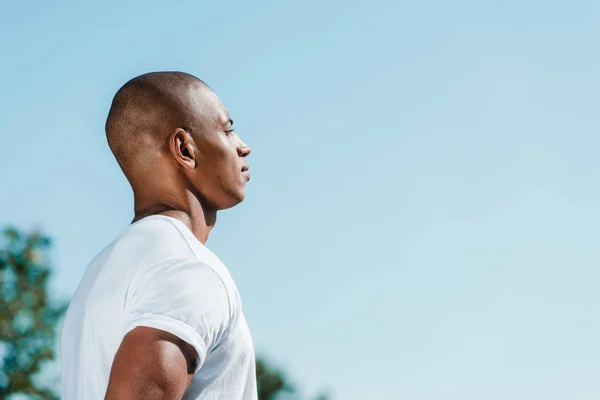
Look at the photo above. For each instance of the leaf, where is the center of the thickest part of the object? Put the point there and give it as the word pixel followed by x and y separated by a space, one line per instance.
pixel 28 317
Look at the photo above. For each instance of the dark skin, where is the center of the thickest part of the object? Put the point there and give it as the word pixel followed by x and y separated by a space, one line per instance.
pixel 197 171
pixel 151 364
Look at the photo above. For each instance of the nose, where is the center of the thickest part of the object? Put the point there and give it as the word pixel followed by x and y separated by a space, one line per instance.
pixel 243 149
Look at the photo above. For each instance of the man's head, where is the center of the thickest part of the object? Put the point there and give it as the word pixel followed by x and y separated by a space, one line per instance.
pixel 170 132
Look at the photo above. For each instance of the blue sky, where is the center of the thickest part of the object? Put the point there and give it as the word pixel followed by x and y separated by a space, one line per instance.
pixel 422 221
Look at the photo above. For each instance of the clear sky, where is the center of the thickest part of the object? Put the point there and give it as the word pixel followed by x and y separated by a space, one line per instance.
pixel 424 211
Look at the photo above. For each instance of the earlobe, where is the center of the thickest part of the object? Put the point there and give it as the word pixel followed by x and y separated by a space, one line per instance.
pixel 182 148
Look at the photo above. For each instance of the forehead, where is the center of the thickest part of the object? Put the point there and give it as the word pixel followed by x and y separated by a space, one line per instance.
pixel 207 106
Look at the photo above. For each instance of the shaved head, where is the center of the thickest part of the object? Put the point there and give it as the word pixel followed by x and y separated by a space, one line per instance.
pixel 144 111
pixel 173 139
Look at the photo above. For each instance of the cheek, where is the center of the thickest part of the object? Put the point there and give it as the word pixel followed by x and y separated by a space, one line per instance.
pixel 219 172
pixel 218 150
pixel 219 161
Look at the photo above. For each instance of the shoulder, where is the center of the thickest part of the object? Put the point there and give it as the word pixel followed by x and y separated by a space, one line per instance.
pixel 181 296
pixel 184 278
pixel 150 241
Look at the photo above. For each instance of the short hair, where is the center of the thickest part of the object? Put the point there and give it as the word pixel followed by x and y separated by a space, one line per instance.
pixel 144 109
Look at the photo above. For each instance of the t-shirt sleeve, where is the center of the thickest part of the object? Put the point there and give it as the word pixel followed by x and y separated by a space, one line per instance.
pixel 183 297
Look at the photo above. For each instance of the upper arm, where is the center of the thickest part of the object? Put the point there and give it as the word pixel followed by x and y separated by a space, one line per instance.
pixel 177 312
pixel 151 364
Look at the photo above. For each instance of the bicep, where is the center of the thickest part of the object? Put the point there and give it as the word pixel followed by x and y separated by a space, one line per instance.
pixel 151 364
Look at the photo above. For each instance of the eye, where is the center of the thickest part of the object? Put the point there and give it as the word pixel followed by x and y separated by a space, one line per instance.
pixel 229 131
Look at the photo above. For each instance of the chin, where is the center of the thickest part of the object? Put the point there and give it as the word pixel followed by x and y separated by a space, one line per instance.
pixel 233 200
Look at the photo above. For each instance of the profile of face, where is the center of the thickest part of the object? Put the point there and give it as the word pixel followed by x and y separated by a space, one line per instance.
pixel 212 152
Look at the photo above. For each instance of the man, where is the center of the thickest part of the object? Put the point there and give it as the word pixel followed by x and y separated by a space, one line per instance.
pixel 157 315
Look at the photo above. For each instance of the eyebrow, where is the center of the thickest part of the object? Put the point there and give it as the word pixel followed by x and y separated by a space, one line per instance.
pixel 230 121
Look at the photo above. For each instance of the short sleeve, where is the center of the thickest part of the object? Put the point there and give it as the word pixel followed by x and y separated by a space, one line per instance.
pixel 183 297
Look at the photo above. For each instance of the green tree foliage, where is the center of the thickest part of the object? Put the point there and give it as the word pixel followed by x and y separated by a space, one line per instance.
pixel 270 382
pixel 27 316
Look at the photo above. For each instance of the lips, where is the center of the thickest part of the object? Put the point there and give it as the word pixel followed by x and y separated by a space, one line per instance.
pixel 245 172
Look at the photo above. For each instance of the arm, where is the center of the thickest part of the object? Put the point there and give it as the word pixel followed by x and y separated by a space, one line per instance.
pixel 151 364
pixel 176 312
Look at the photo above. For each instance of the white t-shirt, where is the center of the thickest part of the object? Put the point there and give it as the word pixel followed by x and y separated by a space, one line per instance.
pixel 157 274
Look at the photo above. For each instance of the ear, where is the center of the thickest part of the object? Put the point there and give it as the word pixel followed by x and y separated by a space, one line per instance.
pixel 182 148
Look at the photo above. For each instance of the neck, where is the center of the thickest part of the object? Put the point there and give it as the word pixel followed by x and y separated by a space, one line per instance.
pixel 190 210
